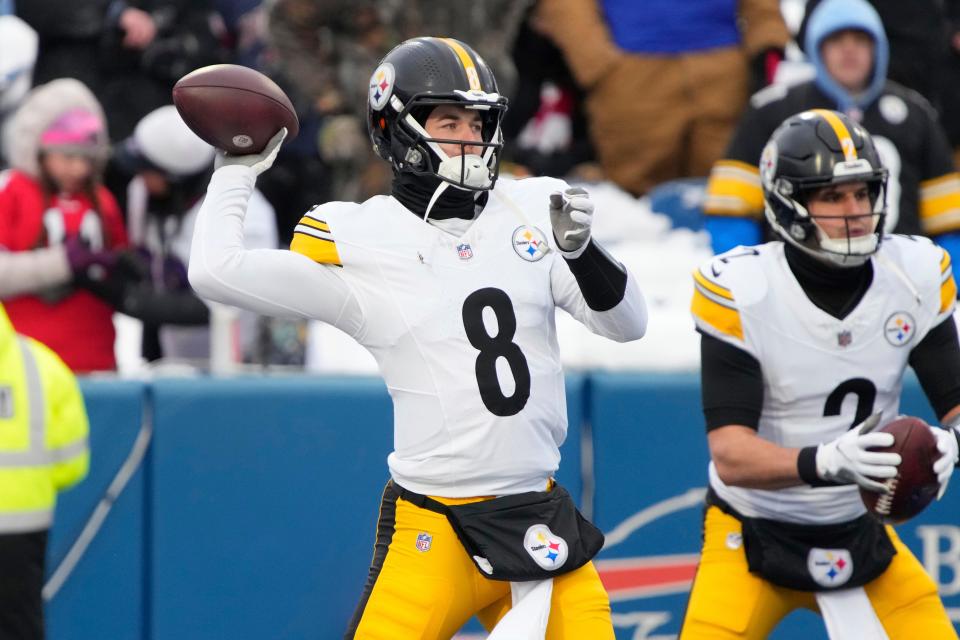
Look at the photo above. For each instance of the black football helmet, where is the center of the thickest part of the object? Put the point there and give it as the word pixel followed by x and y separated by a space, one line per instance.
pixel 809 151
pixel 409 82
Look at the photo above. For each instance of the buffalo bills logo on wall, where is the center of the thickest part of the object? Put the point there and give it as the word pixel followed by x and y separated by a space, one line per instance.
pixel 381 86
pixel 530 243
pixel 899 328
pixel 830 567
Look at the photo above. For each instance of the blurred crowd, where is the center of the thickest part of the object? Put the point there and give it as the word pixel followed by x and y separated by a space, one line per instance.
pixel 103 179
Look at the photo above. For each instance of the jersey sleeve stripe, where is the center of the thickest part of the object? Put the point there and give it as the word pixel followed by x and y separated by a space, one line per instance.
pixel 948 286
pixel 708 309
pixel 940 204
pixel 946 181
pixel 314 223
pixel 708 285
pixel 948 294
pixel 313 233
pixel 733 189
pixel 313 244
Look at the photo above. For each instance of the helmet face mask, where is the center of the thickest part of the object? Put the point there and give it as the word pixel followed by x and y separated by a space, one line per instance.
pixel 812 152
pixel 413 79
pixel 424 155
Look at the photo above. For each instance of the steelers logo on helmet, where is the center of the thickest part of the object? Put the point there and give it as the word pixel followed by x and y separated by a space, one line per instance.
pixel 381 86
pixel 768 164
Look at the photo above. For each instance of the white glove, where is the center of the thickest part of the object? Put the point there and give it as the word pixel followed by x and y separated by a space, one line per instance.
pixel 948 446
pixel 571 214
pixel 847 459
pixel 259 162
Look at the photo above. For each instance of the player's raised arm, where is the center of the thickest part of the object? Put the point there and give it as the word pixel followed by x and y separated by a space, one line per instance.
pixel 268 281
pixel 602 294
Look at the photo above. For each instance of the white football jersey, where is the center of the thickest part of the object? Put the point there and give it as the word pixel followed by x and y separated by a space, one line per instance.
pixel 821 375
pixel 462 326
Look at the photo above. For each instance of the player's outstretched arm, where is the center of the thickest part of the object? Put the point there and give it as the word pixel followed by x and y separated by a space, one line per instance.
pixel 268 281
pixel 601 293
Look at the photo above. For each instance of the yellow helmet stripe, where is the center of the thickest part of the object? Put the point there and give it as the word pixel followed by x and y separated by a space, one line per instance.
pixel 840 129
pixel 469 68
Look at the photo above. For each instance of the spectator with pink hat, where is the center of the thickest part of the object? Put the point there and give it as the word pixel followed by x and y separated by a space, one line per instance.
pixel 59 226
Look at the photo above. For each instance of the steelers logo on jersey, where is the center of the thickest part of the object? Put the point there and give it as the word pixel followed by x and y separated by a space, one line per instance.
pixel 530 243
pixel 899 328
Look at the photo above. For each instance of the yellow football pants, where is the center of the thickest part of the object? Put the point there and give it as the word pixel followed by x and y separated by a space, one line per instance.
pixel 429 591
pixel 728 602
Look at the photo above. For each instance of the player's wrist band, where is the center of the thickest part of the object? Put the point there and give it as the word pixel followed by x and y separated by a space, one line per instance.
pixel 807 468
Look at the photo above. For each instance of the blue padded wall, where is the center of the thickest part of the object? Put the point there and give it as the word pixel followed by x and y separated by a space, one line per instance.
pixel 265 497
pixel 254 515
pixel 104 597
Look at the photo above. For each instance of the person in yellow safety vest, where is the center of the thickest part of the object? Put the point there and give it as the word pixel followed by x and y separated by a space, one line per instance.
pixel 43 450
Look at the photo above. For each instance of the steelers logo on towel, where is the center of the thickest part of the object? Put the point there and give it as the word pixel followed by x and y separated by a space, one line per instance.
pixel 530 243
pixel 545 547
pixel 381 86
pixel 899 328
pixel 830 567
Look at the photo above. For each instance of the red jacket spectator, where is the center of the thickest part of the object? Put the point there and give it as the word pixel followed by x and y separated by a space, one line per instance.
pixel 59 225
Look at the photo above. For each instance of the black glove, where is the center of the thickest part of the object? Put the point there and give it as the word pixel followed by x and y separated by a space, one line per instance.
pixel 130 269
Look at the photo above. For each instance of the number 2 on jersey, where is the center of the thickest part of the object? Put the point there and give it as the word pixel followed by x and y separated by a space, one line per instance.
pixel 863 389
pixel 494 347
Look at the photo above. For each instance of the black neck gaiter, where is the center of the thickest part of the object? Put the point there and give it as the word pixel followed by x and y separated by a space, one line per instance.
pixel 414 192
pixel 835 289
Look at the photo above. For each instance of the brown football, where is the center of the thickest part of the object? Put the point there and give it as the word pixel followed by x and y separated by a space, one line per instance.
pixel 234 108
pixel 915 485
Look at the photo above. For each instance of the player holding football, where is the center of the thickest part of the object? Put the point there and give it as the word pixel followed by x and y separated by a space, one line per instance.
pixel 803 340
pixel 451 283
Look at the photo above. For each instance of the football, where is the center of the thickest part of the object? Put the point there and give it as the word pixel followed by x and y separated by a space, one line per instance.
pixel 915 485
pixel 234 108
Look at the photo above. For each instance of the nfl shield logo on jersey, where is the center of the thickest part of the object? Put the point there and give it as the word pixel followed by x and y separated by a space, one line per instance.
pixel 424 540
pixel 464 251
pixel 844 338
pixel 830 567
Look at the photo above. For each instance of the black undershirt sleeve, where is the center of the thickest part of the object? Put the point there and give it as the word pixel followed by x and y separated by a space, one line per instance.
pixel 601 279
pixel 731 384
pixel 936 361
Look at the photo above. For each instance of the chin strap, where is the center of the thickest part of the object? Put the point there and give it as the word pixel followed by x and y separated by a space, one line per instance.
pixel 433 199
